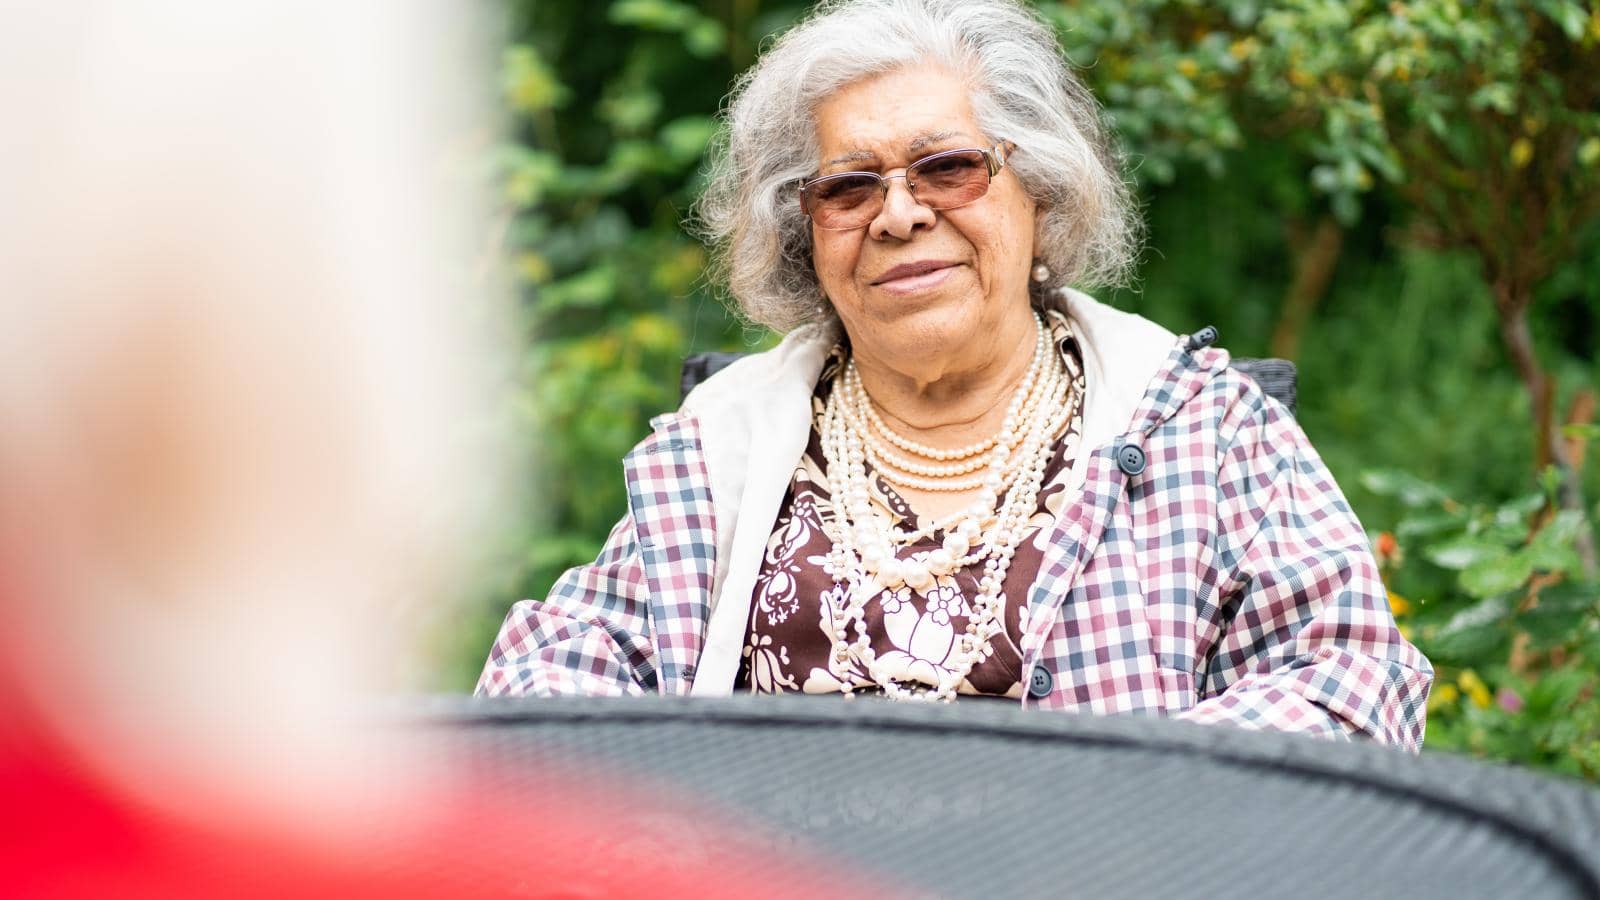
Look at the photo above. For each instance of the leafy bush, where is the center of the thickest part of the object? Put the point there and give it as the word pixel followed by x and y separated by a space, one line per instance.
pixel 1496 597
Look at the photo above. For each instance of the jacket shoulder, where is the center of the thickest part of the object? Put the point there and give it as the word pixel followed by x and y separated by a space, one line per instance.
pixel 796 361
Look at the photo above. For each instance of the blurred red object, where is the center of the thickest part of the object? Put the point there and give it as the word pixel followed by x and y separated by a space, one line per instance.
pixel 1388 551
pixel 71 831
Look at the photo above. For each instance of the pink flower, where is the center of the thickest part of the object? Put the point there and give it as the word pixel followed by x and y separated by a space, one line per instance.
pixel 1509 700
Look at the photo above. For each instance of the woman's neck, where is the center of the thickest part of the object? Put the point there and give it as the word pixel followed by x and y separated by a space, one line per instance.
pixel 950 400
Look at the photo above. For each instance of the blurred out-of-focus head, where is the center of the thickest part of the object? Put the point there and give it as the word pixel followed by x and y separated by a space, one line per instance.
pixel 245 372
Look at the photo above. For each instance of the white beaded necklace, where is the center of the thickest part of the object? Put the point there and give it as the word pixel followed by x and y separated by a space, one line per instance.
pixel 863 556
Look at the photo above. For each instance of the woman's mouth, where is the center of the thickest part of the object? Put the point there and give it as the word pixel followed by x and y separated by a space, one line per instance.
pixel 914 277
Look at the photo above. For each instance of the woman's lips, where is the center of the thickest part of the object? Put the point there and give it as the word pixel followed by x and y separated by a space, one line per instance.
pixel 921 281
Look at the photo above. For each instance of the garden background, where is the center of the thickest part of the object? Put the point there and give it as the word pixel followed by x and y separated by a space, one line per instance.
pixel 1401 197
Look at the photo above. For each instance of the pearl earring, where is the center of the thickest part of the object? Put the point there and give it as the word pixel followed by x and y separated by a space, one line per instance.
pixel 1041 273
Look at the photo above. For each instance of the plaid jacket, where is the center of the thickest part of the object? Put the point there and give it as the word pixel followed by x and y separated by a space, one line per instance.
pixel 1229 581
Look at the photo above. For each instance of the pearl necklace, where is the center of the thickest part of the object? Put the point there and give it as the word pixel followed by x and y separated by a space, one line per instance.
pixel 863 558
pixel 907 473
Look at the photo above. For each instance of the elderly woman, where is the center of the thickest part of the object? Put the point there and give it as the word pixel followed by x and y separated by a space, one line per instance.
pixel 956 475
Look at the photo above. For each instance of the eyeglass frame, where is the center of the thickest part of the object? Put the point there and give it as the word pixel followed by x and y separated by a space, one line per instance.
pixel 995 157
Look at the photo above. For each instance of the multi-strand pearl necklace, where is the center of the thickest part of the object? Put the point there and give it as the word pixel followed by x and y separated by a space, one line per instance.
pixel 864 557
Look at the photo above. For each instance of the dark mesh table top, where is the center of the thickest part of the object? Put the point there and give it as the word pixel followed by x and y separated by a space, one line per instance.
pixel 987 799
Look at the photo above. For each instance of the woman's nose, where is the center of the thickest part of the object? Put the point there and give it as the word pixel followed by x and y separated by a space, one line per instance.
pixel 901 214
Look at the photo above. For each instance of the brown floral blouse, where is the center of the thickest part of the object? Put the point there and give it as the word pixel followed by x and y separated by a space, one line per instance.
pixel 787 641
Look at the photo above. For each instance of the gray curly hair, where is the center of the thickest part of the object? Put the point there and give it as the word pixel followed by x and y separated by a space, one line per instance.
pixel 1022 90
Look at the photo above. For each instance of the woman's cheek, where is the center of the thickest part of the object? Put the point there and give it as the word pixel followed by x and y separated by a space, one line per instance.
pixel 835 267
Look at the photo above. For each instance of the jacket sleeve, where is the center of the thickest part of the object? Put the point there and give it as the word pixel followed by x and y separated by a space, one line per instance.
pixel 1301 637
pixel 589 637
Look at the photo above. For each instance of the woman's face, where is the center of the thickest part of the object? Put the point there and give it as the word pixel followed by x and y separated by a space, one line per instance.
pixel 973 261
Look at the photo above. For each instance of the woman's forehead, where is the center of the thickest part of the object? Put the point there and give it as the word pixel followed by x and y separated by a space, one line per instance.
pixel 903 112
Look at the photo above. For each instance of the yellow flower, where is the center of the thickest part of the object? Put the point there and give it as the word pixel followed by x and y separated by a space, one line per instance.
pixel 1399 605
pixel 1475 689
pixel 1188 67
pixel 1443 695
pixel 532 268
pixel 1521 152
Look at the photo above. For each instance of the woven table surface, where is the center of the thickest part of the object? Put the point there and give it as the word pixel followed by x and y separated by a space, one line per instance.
pixel 986 798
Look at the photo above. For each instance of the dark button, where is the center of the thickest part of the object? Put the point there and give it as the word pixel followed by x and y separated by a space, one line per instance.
pixel 1205 337
pixel 1130 459
pixel 1039 683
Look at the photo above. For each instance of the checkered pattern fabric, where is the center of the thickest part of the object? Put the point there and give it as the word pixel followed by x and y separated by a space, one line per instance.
pixel 632 621
pixel 1229 581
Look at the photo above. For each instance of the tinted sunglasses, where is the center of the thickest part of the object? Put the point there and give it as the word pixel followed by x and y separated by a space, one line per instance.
pixel 943 180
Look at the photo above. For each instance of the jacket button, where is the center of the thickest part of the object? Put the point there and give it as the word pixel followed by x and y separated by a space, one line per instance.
pixel 1205 337
pixel 1039 683
pixel 1130 459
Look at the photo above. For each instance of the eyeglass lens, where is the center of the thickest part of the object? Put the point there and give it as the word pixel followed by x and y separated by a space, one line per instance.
pixel 941 181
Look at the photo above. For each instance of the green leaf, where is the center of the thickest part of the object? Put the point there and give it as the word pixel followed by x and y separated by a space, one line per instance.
pixel 587 289
pixel 685 139
pixel 1570 17
pixel 1403 486
pixel 1556 691
pixel 631 110
pixel 1346 208
pixel 706 38
pixel 1495 576
pixel 660 15
pixel 1425 526
pixel 1552 549
pixel 527 83
pixel 1550 481
pixel 1475 633
pixel 1588 155
pixel 1561 614
pixel 528 175
pixel 1497 96
pixel 1520 509
pixel 1464 552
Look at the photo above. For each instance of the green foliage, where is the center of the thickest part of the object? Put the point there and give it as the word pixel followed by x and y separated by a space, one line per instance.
pixel 1466 106
pixel 1242 121
pixel 610 107
pixel 1496 597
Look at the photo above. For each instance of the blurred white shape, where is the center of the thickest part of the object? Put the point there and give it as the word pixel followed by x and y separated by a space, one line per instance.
pixel 244 373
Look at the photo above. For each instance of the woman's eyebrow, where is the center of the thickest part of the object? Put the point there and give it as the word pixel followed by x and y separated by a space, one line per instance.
pixel 932 138
pixel 916 145
pixel 852 156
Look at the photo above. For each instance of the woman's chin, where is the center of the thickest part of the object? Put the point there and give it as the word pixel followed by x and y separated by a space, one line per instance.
pixel 923 327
